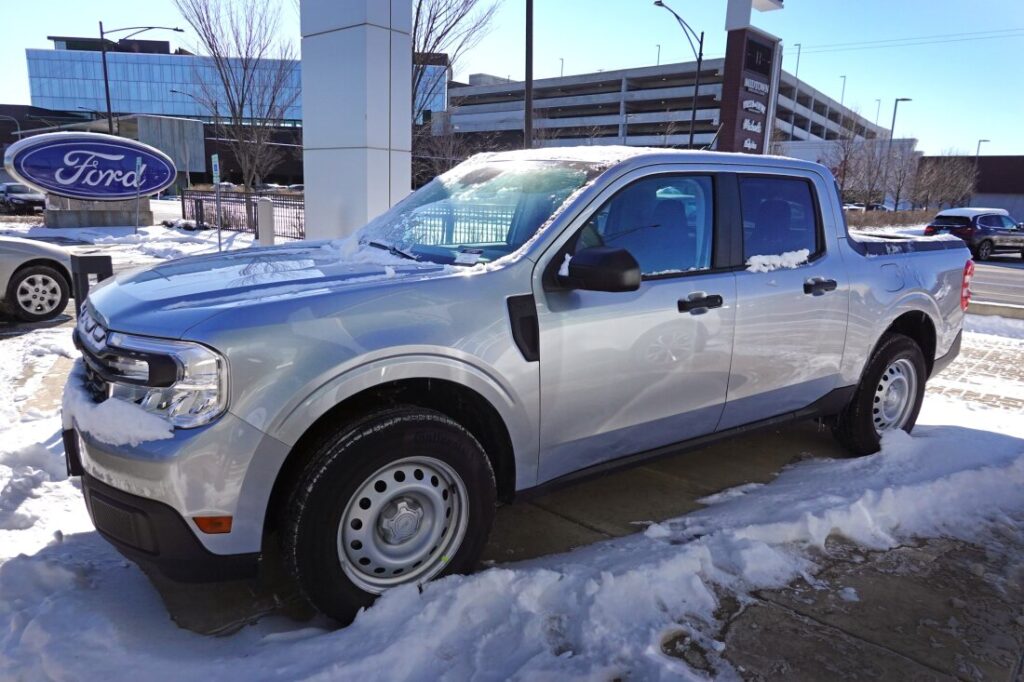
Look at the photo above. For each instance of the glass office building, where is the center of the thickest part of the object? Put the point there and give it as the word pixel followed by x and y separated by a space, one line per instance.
pixel 142 83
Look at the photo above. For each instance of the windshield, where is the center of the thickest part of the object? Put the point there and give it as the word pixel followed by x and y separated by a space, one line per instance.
pixel 478 212
pixel 18 189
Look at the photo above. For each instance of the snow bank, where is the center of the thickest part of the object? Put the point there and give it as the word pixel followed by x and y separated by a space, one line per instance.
pixel 114 421
pixel 788 260
pixel 75 609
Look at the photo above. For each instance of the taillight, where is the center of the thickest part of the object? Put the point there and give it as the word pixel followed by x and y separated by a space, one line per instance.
pixel 929 230
pixel 965 285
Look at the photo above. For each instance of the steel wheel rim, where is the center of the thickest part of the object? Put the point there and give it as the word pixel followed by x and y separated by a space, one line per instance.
pixel 38 294
pixel 895 396
pixel 403 524
pixel 985 250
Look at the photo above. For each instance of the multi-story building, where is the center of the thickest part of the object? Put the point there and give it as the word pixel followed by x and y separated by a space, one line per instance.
pixel 147 77
pixel 645 106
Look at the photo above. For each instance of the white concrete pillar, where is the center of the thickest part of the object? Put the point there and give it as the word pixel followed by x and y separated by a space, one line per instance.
pixel 356 111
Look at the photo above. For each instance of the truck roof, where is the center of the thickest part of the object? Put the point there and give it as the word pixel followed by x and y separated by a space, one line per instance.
pixel 615 154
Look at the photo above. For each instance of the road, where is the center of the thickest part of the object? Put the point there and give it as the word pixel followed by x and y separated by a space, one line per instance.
pixel 1000 280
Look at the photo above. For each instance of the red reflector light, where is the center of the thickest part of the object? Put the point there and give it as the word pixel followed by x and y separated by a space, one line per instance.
pixel 213 525
pixel 965 285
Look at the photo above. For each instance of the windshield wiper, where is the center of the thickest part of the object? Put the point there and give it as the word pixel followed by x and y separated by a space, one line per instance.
pixel 393 250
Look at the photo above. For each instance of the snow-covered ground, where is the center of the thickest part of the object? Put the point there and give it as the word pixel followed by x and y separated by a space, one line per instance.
pixel 128 248
pixel 72 608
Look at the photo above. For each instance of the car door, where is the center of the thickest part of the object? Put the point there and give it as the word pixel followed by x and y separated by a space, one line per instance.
pixel 627 372
pixel 1014 235
pixel 792 300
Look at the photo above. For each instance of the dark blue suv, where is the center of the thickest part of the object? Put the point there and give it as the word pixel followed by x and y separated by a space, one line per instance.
pixel 987 231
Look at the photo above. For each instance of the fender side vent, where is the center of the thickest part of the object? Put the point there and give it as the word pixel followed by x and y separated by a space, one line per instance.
pixel 522 314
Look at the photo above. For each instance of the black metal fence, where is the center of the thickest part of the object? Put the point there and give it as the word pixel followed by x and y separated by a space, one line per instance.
pixel 238 211
pixel 456 224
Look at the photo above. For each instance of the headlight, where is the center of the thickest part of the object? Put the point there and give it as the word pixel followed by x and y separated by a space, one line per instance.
pixel 189 393
pixel 15 200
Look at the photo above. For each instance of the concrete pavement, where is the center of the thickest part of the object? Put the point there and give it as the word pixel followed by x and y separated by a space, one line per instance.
pixel 999 280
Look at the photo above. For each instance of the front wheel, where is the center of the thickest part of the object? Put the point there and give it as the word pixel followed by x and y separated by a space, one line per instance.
pixel 888 397
pixel 402 496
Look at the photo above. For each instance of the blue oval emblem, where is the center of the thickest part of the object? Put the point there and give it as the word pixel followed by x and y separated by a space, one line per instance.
pixel 90 166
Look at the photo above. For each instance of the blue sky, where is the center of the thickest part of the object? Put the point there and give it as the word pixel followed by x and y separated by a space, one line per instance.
pixel 964 88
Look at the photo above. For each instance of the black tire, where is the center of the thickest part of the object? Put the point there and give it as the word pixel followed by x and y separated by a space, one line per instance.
pixel 984 251
pixel 855 426
pixel 44 311
pixel 342 464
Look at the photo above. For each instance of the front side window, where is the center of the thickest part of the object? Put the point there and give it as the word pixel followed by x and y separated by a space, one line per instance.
pixel 1008 222
pixel 478 212
pixel 665 222
pixel 990 221
pixel 779 216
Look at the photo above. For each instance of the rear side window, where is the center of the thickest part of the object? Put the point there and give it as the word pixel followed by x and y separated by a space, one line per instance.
pixel 951 221
pixel 779 216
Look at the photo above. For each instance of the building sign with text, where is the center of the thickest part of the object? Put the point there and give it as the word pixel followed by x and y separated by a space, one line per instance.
pixel 748 97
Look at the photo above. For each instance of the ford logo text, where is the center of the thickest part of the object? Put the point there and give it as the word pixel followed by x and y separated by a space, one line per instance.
pixel 90 166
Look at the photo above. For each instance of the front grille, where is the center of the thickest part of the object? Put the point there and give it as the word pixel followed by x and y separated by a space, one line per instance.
pixel 92 339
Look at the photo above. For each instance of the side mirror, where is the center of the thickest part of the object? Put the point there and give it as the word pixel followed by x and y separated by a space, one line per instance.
pixel 603 268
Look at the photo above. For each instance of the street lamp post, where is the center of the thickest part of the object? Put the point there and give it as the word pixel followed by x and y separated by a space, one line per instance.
pixel 842 97
pixel 658 62
pixel 103 57
pixel 561 69
pixel 698 52
pixel 888 152
pixel 528 81
pixel 977 151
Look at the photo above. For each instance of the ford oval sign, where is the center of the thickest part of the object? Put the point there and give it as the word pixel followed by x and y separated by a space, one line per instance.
pixel 89 166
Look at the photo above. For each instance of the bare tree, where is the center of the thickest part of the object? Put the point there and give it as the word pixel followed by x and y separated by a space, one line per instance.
pixel 443 26
pixel 845 157
pixel 945 180
pixel 872 167
pixel 252 83
pixel 438 148
pixel 902 172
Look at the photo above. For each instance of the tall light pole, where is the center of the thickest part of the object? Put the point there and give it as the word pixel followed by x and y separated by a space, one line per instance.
pixel 658 61
pixel 103 51
pixel 561 69
pixel 528 84
pixel 888 152
pixel 698 52
pixel 796 88
pixel 842 97
pixel 977 151
pixel 878 110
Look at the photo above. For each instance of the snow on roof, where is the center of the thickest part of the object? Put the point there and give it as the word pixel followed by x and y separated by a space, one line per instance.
pixel 971 212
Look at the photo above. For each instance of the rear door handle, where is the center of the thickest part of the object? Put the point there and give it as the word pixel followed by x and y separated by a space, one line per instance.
pixel 817 286
pixel 699 302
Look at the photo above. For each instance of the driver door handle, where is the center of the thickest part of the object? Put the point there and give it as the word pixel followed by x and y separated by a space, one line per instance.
pixel 816 286
pixel 699 302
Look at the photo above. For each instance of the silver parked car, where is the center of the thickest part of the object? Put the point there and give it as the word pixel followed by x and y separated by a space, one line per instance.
pixel 36 278
pixel 524 319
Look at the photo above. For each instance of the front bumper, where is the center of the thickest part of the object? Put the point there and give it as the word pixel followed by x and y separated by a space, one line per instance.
pixel 226 468
pixel 153 535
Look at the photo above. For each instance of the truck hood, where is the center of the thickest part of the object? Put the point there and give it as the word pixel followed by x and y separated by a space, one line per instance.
pixel 167 299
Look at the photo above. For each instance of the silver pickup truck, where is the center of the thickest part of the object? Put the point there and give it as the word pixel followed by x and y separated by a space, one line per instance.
pixel 526 318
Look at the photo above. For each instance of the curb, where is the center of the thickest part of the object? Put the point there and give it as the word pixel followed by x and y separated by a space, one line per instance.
pixel 1001 309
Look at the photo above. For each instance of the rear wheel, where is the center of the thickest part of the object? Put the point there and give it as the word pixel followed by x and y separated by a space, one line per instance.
pixel 984 250
pixel 37 293
pixel 402 496
pixel 888 397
